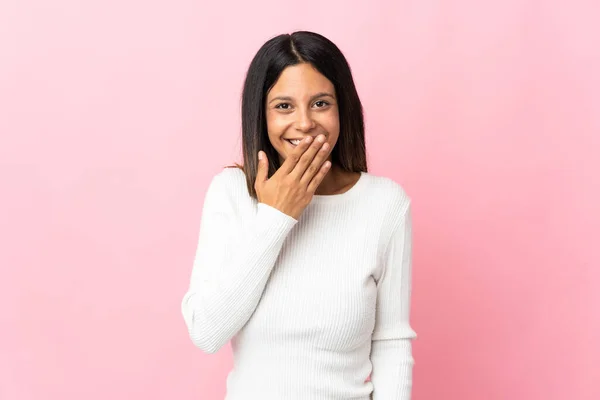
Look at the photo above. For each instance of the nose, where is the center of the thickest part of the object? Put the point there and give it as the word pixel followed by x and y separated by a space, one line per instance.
pixel 304 121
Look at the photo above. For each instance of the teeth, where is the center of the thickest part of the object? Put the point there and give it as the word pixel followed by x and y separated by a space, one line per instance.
pixel 295 142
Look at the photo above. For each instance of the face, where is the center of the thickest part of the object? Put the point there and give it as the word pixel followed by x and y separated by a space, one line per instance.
pixel 301 103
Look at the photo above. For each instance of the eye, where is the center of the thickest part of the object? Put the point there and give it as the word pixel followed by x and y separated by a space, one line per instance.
pixel 321 103
pixel 283 106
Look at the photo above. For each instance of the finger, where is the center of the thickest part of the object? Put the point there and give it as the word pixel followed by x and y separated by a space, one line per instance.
pixel 316 163
pixel 262 172
pixel 291 161
pixel 318 178
pixel 307 157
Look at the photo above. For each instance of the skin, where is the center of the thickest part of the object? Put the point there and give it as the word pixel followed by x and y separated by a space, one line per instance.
pixel 303 103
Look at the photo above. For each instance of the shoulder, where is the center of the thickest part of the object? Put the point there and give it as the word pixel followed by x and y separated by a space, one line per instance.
pixel 390 194
pixel 229 185
pixel 230 176
pixel 391 208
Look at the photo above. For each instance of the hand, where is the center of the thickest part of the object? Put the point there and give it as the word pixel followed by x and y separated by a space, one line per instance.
pixel 293 185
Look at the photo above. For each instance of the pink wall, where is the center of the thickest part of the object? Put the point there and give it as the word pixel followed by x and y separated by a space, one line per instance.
pixel 115 114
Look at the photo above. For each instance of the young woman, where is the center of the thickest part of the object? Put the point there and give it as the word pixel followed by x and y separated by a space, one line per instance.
pixel 304 258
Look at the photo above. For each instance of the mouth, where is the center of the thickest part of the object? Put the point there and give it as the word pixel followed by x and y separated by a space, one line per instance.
pixel 293 142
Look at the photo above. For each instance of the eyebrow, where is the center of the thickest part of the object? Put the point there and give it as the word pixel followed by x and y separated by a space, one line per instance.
pixel 288 98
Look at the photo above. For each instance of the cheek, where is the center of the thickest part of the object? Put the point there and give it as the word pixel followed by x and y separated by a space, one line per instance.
pixel 275 130
pixel 332 125
pixel 275 126
pixel 331 120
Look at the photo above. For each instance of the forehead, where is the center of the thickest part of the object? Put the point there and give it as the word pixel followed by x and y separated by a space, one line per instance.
pixel 301 80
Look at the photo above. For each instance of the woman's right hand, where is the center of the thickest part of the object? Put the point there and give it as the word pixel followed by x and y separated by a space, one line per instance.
pixel 293 185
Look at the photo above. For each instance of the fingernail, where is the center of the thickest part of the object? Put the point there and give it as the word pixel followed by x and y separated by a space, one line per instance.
pixel 308 139
pixel 260 155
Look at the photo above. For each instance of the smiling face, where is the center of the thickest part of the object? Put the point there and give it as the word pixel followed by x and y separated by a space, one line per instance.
pixel 301 103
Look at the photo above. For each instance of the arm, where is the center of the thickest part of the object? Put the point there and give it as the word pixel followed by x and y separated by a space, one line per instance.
pixel 391 351
pixel 231 267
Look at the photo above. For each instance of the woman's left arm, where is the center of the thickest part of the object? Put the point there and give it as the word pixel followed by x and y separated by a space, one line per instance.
pixel 391 351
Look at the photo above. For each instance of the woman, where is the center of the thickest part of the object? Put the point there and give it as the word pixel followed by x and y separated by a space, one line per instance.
pixel 304 258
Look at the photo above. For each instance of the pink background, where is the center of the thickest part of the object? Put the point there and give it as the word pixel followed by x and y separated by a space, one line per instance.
pixel 114 115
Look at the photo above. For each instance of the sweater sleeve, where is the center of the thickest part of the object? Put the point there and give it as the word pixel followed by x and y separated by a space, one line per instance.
pixel 231 267
pixel 391 351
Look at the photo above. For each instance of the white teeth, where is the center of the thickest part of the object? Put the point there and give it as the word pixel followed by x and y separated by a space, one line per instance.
pixel 295 142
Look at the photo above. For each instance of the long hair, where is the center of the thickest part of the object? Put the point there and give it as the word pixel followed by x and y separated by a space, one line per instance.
pixel 267 65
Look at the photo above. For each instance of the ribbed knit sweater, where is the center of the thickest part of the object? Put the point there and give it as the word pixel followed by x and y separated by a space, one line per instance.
pixel 313 305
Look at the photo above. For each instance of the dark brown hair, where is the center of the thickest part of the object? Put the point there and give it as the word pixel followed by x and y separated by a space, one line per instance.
pixel 267 65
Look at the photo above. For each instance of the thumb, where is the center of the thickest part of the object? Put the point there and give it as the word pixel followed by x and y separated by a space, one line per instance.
pixel 262 172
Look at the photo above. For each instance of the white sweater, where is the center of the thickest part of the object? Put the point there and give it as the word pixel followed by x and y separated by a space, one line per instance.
pixel 312 306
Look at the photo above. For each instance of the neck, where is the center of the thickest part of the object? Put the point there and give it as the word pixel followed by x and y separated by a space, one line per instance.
pixel 333 181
